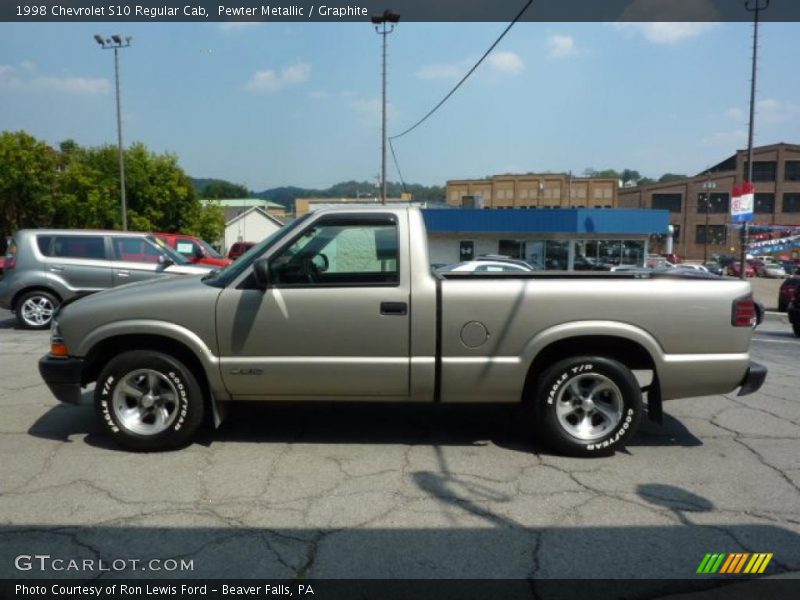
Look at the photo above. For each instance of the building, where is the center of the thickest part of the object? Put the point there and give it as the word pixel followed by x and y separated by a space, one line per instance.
pixel 566 239
pixel 307 205
pixel 251 225
pixel 235 206
pixel 703 229
pixel 533 190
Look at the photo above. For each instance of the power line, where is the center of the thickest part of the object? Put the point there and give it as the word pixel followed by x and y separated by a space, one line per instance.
pixel 463 79
pixel 396 165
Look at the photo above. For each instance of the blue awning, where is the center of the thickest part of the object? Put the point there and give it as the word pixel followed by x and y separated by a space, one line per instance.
pixel 606 221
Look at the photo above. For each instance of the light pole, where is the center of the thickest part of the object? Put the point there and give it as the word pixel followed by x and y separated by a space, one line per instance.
pixel 753 6
pixel 384 25
pixel 116 42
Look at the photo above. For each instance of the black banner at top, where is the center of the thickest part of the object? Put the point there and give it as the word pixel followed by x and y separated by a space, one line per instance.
pixel 409 10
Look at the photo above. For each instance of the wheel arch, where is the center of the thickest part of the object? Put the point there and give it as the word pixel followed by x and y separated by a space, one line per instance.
pixel 34 288
pixel 102 352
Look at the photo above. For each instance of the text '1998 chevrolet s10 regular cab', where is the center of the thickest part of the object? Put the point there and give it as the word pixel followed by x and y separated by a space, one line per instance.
pixel 342 305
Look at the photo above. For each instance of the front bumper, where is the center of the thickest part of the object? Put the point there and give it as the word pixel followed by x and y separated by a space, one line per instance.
pixel 753 379
pixel 63 377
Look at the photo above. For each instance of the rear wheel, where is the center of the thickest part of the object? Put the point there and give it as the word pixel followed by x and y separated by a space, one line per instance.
pixel 35 309
pixel 587 406
pixel 148 401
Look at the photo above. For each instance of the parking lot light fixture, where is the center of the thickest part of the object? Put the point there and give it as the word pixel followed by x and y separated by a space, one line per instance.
pixel 115 42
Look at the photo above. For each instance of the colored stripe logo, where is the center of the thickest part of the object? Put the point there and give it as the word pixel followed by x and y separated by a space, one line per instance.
pixel 734 563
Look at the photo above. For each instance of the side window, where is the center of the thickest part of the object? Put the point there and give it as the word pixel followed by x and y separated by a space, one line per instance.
pixel 340 252
pixel 91 247
pixel 185 247
pixel 45 243
pixel 133 249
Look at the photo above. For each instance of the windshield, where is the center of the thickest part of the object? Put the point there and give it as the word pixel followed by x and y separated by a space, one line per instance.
pixel 175 256
pixel 209 248
pixel 232 271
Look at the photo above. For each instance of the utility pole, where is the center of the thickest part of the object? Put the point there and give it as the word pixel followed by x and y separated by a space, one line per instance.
pixel 115 42
pixel 384 25
pixel 753 6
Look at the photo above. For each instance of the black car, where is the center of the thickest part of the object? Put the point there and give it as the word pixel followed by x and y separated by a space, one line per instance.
pixel 794 317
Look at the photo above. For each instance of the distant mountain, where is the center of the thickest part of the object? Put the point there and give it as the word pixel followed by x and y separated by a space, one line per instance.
pixel 286 195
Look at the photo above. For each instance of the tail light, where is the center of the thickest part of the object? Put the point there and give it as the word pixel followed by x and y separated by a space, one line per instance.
pixel 744 312
pixel 10 263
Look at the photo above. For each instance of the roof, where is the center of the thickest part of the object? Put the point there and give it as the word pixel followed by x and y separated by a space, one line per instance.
pixel 560 220
pixel 244 202
pixel 259 210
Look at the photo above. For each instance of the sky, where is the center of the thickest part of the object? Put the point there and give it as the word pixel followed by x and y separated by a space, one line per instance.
pixel 273 104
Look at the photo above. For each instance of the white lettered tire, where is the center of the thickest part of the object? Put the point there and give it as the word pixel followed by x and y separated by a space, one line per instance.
pixel 148 401
pixel 587 406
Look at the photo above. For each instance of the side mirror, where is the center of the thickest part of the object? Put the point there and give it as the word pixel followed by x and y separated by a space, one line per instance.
pixel 164 260
pixel 261 273
pixel 198 253
pixel 321 262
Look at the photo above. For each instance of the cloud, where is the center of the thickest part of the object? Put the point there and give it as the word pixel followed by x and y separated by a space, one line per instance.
pixel 326 95
pixel 771 111
pixel 506 63
pixel 735 113
pixel 666 32
pixel 561 46
pixel 444 70
pixel 369 109
pixel 269 80
pixel 726 139
pixel 11 79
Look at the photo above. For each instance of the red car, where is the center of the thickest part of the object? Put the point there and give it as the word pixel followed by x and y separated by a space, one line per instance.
pixel 193 248
pixel 239 248
pixel 788 292
pixel 735 269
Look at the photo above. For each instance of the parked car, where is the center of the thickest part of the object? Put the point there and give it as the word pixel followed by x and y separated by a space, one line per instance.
pixel 194 249
pixel 690 267
pixel 508 259
pixel 735 269
pixel 45 267
pixel 353 313
pixel 239 248
pixel 714 267
pixel 788 292
pixel 485 266
pixel 794 316
pixel 767 266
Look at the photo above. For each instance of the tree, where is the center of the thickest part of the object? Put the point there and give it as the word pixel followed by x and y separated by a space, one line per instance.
pixel 27 173
pixel 219 189
pixel 630 175
pixel 667 177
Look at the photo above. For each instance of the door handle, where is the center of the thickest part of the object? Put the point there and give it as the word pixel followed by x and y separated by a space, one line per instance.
pixel 123 274
pixel 394 308
pixel 56 268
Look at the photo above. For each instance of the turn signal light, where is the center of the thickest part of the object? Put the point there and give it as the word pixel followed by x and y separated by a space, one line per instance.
pixel 59 349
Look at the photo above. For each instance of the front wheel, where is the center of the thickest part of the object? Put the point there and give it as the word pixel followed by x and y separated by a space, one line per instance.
pixel 587 406
pixel 148 401
pixel 35 309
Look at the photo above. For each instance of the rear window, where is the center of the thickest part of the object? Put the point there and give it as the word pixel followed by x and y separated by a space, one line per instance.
pixel 91 247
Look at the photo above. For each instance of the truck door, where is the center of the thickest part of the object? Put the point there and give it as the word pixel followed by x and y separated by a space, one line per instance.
pixel 334 321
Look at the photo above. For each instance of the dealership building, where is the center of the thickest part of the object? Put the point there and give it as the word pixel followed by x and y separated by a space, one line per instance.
pixel 703 228
pixel 564 239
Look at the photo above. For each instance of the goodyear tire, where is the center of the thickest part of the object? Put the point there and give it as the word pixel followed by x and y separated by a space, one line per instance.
pixel 148 401
pixel 35 309
pixel 587 406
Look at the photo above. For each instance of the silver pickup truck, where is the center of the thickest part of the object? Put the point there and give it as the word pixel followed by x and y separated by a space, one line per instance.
pixel 342 305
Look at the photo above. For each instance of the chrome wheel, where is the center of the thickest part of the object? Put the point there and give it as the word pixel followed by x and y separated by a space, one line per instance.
pixel 589 406
pixel 37 311
pixel 145 402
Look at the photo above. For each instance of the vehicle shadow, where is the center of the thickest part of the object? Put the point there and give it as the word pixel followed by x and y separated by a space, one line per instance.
pixel 358 423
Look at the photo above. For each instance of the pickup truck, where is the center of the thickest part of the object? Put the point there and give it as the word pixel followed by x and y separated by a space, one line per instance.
pixel 342 305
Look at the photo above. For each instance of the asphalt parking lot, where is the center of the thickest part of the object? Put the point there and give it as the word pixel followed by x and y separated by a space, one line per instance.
pixel 395 492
